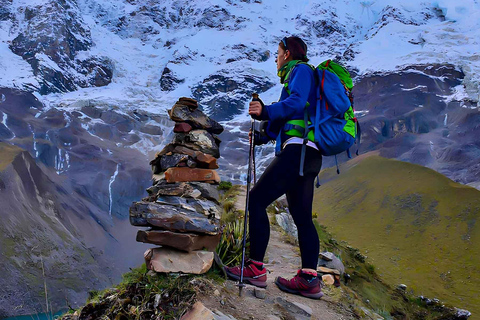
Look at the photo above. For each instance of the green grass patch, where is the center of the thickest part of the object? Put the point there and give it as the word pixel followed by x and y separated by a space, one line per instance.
pixel 8 154
pixel 144 295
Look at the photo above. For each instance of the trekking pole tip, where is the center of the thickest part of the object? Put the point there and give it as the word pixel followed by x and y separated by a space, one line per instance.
pixel 240 287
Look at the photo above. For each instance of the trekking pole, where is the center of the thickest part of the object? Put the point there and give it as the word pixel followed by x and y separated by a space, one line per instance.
pixel 245 221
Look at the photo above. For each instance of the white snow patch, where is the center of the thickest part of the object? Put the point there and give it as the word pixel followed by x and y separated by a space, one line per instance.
pixel 110 193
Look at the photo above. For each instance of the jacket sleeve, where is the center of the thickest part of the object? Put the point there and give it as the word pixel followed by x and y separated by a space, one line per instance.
pixel 279 113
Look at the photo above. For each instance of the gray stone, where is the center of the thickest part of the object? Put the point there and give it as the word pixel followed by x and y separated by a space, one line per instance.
pixel 462 314
pixel 260 293
pixel 166 260
pixel 162 188
pixel 206 207
pixel 198 140
pixel 172 160
pixel 181 241
pixel 297 310
pixel 167 217
pixel 203 160
pixel 285 221
pixel 209 191
pixel 402 287
pixel 196 118
pixel 333 263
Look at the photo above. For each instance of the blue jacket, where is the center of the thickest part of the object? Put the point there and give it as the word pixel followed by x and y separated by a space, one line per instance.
pixel 301 84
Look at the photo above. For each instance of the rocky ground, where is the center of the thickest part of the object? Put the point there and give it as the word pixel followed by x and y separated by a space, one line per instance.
pixel 283 260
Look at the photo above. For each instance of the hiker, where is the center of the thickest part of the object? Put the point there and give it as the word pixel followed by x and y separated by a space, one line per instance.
pixel 282 175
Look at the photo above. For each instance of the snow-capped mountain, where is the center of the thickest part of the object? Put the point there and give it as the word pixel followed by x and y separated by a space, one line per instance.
pixel 85 85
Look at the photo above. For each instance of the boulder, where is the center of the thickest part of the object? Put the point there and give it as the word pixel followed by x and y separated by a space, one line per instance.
pixel 196 118
pixel 198 140
pixel 181 241
pixel 168 260
pixel 191 174
pixel 167 217
pixel 182 127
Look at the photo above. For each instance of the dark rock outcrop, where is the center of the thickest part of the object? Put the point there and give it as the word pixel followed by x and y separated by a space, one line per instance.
pixel 224 96
pixel 51 38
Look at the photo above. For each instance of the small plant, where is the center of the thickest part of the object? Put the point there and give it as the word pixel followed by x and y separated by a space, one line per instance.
pixel 224 186
pixel 370 268
pixel 230 247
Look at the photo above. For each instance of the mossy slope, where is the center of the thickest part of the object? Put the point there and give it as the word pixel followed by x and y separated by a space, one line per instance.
pixel 415 225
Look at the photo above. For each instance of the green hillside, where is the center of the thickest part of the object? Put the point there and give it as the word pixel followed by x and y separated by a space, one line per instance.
pixel 415 225
pixel 8 152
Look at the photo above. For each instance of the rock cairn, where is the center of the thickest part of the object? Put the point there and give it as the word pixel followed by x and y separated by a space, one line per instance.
pixel 182 210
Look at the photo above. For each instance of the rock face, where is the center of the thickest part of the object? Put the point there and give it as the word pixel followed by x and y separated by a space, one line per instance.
pixel 54 55
pixel 182 208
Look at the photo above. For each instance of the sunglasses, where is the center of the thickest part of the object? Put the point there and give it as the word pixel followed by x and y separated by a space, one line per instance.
pixel 284 41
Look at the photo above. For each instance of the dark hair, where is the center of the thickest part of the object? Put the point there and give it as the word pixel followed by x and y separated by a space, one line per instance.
pixel 296 46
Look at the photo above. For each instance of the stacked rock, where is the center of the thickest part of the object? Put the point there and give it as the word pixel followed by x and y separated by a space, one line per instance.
pixel 182 209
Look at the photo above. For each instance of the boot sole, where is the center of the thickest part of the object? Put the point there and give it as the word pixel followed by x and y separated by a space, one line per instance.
pixel 317 295
pixel 253 282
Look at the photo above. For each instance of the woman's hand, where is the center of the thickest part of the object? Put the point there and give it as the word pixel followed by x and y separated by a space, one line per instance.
pixel 255 108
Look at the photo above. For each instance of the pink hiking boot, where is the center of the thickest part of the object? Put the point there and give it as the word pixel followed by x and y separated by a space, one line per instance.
pixel 299 285
pixel 254 273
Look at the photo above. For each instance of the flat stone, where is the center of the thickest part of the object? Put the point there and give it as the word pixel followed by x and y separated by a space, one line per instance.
pixel 297 310
pixel 203 160
pixel 206 207
pixel 182 127
pixel 196 118
pixel 328 270
pixel 191 174
pixel 192 103
pixel 162 188
pixel 198 140
pixel 328 256
pixel 182 241
pixel 166 260
pixel 198 312
pixel 167 217
pixel 172 160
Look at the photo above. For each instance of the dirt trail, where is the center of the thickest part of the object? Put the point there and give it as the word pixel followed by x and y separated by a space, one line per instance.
pixel 283 260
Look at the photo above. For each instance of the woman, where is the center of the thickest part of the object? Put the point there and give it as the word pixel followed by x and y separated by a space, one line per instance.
pixel 282 175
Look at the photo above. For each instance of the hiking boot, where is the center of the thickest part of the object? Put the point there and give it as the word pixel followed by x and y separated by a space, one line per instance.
pixel 254 273
pixel 300 285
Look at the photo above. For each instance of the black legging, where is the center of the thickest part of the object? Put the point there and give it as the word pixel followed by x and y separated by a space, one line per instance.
pixel 282 177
